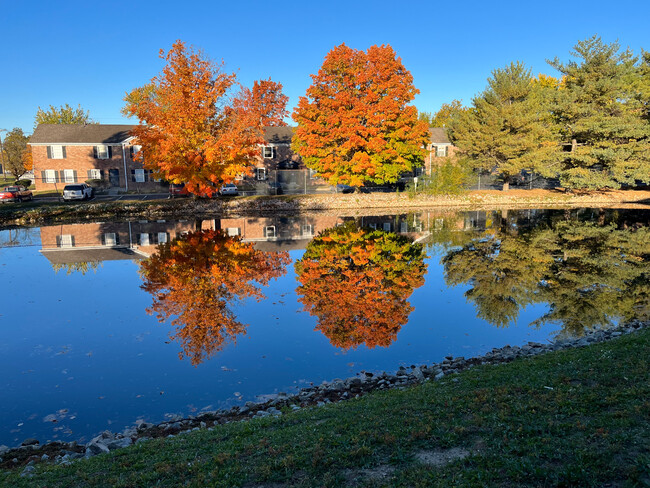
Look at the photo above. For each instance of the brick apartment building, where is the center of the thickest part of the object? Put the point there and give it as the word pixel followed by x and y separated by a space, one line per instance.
pixel 440 149
pixel 75 153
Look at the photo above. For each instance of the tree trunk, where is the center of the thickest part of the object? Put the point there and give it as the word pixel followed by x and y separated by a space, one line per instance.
pixel 574 145
pixel 506 185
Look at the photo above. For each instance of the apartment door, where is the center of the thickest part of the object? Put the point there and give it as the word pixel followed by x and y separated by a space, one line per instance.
pixel 114 177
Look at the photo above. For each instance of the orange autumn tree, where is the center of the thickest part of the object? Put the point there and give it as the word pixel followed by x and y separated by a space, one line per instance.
pixel 267 100
pixel 355 124
pixel 194 128
pixel 357 282
pixel 197 277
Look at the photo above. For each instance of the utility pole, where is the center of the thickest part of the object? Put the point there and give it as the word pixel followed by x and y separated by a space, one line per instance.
pixel 2 154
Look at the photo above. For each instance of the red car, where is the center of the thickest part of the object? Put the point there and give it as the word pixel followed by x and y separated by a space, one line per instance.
pixel 15 194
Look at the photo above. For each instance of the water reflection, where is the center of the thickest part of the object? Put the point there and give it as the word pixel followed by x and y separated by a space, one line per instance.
pixel 357 281
pixel 197 277
pixel 591 268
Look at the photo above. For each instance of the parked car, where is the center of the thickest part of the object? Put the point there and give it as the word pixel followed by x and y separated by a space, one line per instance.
pixel 178 190
pixel 344 189
pixel 15 194
pixel 228 189
pixel 78 191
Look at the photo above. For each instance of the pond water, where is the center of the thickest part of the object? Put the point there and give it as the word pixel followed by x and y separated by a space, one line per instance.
pixel 103 325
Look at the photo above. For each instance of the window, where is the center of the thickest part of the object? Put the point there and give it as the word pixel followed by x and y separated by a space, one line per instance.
pixel 268 152
pixel 441 151
pixel 94 174
pixel 387 226
pixel 143 239
pixel 372 226
pixel 102 152
pixel 269 231
pixel 404 227
pixel 65 240
pixel 110 239
pixel 260 173
pixel 56 152
pixel 140 175
pixel 162 237
pixel 233 231
pixel 135 150
pixel 313 174
pixel 69 176
pixel 50 176
pixel 307 230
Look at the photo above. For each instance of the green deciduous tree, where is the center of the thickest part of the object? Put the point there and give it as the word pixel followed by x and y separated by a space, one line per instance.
pixel 13 149
pixel 507 129
pixel 65 114
pixel 601 112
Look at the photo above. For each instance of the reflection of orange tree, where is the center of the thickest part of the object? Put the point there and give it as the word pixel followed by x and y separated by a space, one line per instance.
pixel 196 277
pixel 357 281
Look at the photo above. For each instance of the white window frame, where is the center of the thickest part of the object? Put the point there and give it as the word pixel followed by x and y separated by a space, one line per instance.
pixel 68 176
pixel 162 238
pixel 50 176
pixel 268 152
pixel 110 239
pixel 307 230
pixel 139 176
pixel 56 152
pixel 136 149
pixel 387 226
pixel 102 151
pixel 441 151
pixel 65 240
pixel 95 174
pixel 313 174
pixel 269 232
pixel 404 227
pixel 233 231
pixel 258 172
pixel 144 239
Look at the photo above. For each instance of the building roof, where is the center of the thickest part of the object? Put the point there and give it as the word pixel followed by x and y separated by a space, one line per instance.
pixel 278 135
pixel 439 135
pixel 80 134
pixel 93 255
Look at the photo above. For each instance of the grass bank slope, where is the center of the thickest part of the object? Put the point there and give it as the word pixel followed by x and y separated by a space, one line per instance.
pixel 577 417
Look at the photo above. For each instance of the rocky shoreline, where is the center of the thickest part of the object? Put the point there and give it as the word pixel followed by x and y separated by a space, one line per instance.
pixel 31 452
pixel 371 203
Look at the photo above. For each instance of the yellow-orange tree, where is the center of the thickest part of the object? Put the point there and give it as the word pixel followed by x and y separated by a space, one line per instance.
pixel 193 128
pixel 357 282
pixel 196 277
pixel 355 124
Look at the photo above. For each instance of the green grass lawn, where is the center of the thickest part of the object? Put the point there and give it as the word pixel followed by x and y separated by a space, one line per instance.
pixel 579 417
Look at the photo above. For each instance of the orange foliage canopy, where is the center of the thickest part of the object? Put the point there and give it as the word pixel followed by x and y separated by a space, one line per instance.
pixel 357 282
pixel 354 124
pixel 196 277
pixel 191 129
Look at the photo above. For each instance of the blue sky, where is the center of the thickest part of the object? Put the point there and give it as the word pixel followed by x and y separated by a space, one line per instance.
pixel 91 53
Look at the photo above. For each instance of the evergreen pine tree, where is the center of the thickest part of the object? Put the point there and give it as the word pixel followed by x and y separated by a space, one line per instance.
pixel 507 128
pixel 602 115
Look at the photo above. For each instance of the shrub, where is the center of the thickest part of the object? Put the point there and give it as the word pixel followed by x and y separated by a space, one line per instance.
pixel 24 182
pixel 96 183
pixel 451 177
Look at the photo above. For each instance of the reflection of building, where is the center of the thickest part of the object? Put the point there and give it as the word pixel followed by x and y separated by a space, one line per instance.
pixel 94 242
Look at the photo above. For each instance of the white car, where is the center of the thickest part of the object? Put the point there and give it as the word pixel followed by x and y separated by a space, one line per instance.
pixel 79 191
pixel 229 189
